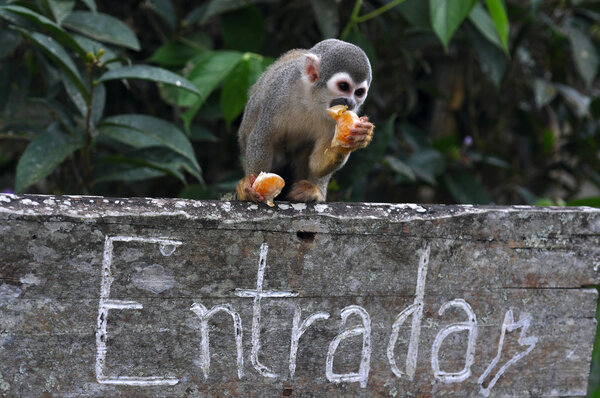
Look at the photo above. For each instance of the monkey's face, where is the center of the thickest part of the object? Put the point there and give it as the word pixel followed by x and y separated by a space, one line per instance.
pixel 343 90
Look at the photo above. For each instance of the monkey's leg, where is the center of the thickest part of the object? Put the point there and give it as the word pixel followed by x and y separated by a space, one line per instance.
pixel 259 157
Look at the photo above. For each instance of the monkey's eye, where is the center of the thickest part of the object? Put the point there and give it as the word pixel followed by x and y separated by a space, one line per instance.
pixel 360 92
pixel 344 86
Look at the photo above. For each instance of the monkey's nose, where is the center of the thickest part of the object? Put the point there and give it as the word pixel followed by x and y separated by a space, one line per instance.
pixel 349 102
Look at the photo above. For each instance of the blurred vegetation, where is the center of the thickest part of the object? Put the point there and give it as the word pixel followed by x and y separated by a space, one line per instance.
pixel 476 101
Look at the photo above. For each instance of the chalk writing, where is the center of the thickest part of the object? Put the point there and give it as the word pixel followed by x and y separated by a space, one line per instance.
pixel 471 326
pixel 299 327
pixel 204 316
pixel 365 357
pixel 257 295
pixel 106 304
pixel 416 310
pixel 530 342
pixel 298 330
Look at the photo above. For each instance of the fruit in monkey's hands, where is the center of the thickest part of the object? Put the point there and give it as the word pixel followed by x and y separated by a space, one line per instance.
pixel 268 185
pixel 345 121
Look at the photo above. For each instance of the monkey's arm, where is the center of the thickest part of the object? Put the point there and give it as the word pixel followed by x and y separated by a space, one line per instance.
pixel 327 158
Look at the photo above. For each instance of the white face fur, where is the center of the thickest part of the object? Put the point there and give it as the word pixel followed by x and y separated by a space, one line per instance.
pixel 341 85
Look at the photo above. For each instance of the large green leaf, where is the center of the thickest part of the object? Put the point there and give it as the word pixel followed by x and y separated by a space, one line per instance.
pixel 102 27
pixel 427 164
pixel 91 5
pixel 58 54
pixel 74 94
pixel 483 22
pixel 165 10
pixel 466 189
pixel 207 74
pixel 59 9
pixel 446 16
pixel 9 41
pixel 50 26
pixel 498 13
pixel 173 53
pixel 43 154
pixel 242 29
pixel 142 131
pixel 209 70
pixel 491 57
pixel 131 165
pixel 585 54
pixel 208 10
pixel 93 46
pixel 98 103
pixel 237 85
pixel 152 73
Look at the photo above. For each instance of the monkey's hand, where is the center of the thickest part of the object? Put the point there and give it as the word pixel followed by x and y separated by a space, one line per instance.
pixel 245 191
pixel 361 134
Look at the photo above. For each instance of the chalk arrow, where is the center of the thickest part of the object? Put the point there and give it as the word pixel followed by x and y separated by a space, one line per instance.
pixel 526 341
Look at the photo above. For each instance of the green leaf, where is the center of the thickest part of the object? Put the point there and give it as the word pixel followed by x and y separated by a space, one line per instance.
pixel 215 7
pixel 98 103
pixel 400 167
pixel 446 16
pixel 591 202
pixel 427 164
pixel 242 29
pixel 492 59
pixel 142 131
pixel 52 28
pixel 416 12
pixel 172 54
pixel 327 16
pixel 414 137
pixel 152 73
pixel 43 154
pixel 465 189
pixel 102 27
pixel 585 54
pixel 58 54
pixel 498 14
pixel 91 5
pixel 59 8
pixel 199 133
pixel 165 10
pixel 208 71
pixel 93 46
pixel 579 103
pixel 484 23
pixel 544 92
pixel 129 166
pixel 235 88
pixel 74 94
pixel 9 41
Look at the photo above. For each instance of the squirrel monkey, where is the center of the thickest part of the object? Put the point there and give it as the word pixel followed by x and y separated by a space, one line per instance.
pixel 286 125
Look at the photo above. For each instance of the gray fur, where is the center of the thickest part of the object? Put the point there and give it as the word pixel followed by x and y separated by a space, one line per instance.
pixel 285 116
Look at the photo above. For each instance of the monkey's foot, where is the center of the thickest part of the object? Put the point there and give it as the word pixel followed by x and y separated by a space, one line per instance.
pixel 245 191
pixel 305 191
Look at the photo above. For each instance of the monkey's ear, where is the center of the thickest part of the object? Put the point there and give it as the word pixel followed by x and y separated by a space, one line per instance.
pixel 311 70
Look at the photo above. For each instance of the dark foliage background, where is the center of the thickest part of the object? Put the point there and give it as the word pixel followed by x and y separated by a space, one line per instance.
pixel 475 101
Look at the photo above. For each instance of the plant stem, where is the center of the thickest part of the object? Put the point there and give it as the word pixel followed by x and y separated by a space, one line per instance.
pixel 352 21
pixel 355 19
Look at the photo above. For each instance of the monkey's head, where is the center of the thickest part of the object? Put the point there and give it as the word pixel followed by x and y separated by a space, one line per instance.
pixel 338 73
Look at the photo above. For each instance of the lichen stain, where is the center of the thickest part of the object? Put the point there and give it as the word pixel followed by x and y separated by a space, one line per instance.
pixel 154 278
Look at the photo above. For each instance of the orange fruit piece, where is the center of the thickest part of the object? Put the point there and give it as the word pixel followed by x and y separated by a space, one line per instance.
pixel 268 185
pixel 345 121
